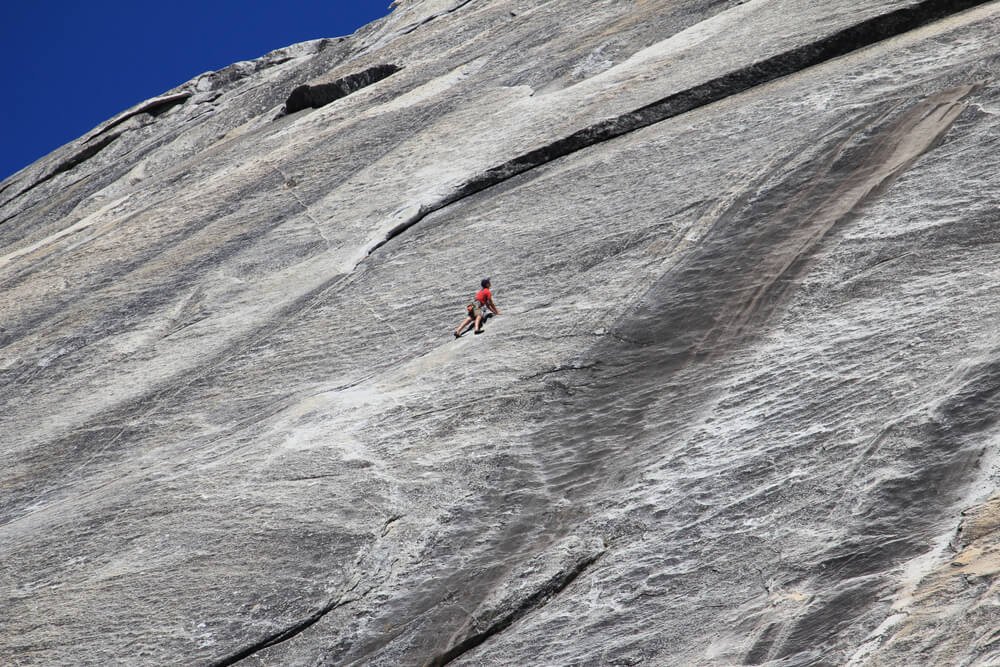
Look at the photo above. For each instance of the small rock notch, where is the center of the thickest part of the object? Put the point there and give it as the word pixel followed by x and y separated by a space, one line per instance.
pixel 313 97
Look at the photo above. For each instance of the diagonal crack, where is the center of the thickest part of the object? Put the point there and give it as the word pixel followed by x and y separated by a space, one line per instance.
pixel 551 588
pixel 296 628
pixel 411 28
pixel 284 634
pixel 154 107
pixel 847 40
pixel 72 161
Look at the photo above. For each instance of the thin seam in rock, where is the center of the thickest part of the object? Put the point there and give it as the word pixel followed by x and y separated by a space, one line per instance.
pixel 411 28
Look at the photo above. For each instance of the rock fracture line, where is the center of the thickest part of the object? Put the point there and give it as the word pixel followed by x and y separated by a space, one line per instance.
pixel 843 42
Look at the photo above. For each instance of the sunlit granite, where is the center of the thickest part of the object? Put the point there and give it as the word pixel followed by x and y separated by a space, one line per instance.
pixel 740 406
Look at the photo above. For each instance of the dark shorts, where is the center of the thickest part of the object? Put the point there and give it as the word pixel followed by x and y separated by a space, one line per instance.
pixel 473 310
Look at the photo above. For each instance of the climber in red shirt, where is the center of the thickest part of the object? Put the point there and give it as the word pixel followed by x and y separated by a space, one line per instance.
pixel 476 311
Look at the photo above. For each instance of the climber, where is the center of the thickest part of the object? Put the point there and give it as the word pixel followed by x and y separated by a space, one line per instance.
pixel 476 311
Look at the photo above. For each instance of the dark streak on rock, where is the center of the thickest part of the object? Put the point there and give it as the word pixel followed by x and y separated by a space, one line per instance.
pixel 558 369
pixel 539 598
pixel 825 619
pixel 67 187
pixel 841 43
pixel 762 646
pixel 308 478
pixel 942 457
pixel 388 523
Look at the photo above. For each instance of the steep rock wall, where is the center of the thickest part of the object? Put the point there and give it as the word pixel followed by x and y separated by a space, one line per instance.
pixel 738 406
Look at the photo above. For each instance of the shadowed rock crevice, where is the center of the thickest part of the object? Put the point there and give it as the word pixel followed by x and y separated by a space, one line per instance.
pixel 850 39
pixel 79 158
pixel 73 161
pixel 155 107
pixel 315 96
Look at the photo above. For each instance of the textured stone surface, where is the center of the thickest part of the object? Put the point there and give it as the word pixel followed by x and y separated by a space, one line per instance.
pixel 740 407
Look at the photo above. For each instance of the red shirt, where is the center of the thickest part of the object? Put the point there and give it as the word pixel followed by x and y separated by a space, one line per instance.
pixel 484 296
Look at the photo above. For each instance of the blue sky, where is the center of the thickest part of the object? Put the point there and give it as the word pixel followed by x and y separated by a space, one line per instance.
pixel 70 65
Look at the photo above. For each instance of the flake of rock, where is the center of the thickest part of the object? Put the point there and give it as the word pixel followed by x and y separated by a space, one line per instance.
pixel 740 406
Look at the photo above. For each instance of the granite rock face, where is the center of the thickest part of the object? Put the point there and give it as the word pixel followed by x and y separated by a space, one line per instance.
pixel 741 405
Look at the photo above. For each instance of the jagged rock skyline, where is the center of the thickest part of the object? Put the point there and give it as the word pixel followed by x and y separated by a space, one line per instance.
pixel 82 76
